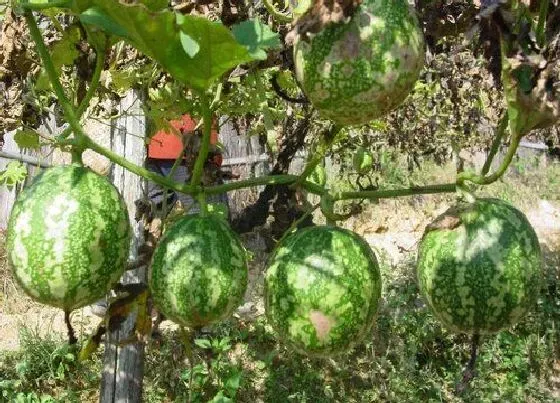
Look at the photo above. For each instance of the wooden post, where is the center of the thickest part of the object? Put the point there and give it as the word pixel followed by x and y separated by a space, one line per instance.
pixel 123 367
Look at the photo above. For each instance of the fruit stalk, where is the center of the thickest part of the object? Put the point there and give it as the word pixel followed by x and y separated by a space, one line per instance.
pixel 205 145
pixel 495 144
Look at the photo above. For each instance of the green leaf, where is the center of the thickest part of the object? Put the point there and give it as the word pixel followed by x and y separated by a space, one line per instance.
pixel 27 138
pixel 203 343
pixel 257 37
pixel 161 36
pixel 96 16
pixel 154 5
pixel 64 52
pixel 190 46
pixel 14 173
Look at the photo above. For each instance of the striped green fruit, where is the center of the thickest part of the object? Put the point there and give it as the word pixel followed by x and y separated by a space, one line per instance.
pixel 479 267
pixel 358 71
pixel 68 237
pixel 199 271
pixel 322 290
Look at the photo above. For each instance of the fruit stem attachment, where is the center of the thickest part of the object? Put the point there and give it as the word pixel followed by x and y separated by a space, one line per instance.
pixel 187 337
pixel 77 156
pixel 71 335
pixel 469 373
pixel 201 198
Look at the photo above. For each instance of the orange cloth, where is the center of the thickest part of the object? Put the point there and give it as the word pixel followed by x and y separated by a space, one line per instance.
pixel 165 145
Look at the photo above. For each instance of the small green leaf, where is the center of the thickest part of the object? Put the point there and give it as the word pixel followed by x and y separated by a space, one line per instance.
pixel 189 44
pixel 27 138
pixel 257 37
pixel 14 173
pixel 203 343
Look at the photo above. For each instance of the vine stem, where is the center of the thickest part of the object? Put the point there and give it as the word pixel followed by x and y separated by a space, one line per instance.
pixel 65 103
pixel 495 144
pixel 277 15
pixel 205 145
pixel 488 179
pixel 320 155
pixel 94 84
pixel 543 13
pixel 386 194
pixel 43 6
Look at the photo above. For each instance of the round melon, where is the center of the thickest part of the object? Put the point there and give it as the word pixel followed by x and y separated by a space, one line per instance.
pixel 359 71
pixel 199 271
pixel 479 267
pixel 322 290
pixel 68 237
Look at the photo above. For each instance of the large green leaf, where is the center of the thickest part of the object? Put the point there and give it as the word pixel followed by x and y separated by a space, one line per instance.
pixel 192 49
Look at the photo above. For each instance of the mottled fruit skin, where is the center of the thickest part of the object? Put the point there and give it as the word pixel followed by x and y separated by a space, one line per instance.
pixel 356 72
pixel 199 271
pixel 479 267
pixel 322 290
pixel 68 237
